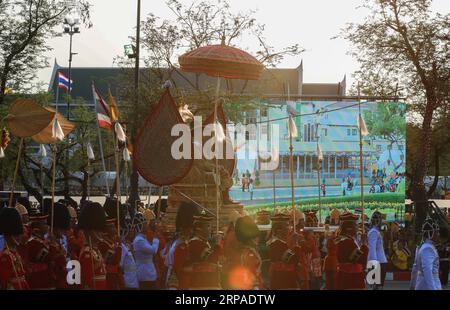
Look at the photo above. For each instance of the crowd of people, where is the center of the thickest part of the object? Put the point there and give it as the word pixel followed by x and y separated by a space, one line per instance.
pixel 268 251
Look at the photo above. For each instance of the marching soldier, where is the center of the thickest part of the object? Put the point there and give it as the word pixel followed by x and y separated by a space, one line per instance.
pixel 203 258
pixel 75 236
pixel 58 252
pixel 39 273
pixel 376 248
pixel 12 272
pixel 144 252
pixel 244 270
pixel 93 270
pixel 110 248
pixel 282 272
pixel 23 212
pixel 179 271
pixel 425 271
pixel 352 258
pixel 330 263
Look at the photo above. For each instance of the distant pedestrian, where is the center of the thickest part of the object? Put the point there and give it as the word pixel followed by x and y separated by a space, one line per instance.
pixel 344 186
pixel 250 189
pixel 324 189
pixel 243 182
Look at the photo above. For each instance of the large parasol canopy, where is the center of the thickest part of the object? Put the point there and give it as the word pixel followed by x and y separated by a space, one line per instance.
pixel 27 118
pixel 45 136
pixel 221 61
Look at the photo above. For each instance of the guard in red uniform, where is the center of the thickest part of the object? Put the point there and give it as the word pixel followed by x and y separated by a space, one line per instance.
pixel 203 258
pixel 23 212
pixel 39 273
pixel 75 236
pixel 110 247
pixel 58 251
pixel 179 273
pixel 283 259
pixel 330 263
pixel 93 271
pixel 351 257
pixel 300 241
pixel 244 264
pixel 12 272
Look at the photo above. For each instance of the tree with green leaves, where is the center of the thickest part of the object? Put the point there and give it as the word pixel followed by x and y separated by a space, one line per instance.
pixel 387 122
pixel 403 47
pixel 25 28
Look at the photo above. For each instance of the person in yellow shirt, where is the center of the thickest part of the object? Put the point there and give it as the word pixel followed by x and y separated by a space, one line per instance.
pixel 400 255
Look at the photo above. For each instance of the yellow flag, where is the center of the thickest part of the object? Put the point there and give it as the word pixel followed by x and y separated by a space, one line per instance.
pixel 113 111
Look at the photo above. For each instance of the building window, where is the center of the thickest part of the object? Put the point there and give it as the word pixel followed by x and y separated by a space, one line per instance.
pixel 349 132
pixel 325 132
pixel 264 129
pixel 379 147
pixel 354 132
pixel 264 112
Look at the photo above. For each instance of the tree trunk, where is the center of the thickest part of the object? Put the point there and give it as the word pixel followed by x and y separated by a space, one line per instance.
pixel 436 173
pixel 418 190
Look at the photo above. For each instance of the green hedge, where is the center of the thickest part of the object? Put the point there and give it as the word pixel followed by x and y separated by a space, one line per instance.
pixel 380 198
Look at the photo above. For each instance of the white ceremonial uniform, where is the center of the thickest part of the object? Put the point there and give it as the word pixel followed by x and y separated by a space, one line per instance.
pixel 143 253
pixel 129 268
pixel 376 248
pixel 425 272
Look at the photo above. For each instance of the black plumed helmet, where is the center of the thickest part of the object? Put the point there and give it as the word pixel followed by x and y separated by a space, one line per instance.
pixel 110 207
pixel 246 229
pixel 185 216
pixel 46 206
pixel 92 217
pixel 62 216
pixel 10 222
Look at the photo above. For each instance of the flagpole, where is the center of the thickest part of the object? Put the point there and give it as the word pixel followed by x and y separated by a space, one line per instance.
pixel 57 97
pixel 291 159
pixel 361 160
pixel 116 151
pixel 99 134
pixel 318 178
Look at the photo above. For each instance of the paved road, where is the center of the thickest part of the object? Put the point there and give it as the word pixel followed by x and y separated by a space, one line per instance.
pixel 402 285
pixel 265 195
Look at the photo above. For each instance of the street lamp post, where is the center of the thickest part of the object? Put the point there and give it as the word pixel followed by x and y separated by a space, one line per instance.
pixel 71 28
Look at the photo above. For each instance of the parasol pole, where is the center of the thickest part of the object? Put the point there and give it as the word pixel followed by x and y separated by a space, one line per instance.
pixel 53 187
pixel 149 194
pixel 13 186
pixel 158 205
pixel 216 155
pixel 116 152
pixel 361 160
pixel 318 181
pixel 88 179
pixel 291 162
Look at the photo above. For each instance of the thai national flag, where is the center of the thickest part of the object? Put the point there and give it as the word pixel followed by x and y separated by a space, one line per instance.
pixel 63 81
pixel 102 109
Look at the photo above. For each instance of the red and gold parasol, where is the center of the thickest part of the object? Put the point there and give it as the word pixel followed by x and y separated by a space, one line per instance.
pixel 221 61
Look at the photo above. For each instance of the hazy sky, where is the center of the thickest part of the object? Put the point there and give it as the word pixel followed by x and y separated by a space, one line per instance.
pixel 311 23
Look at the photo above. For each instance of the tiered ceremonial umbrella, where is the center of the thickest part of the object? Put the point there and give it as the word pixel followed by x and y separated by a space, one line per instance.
pixel 26 118
pixel 226 62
